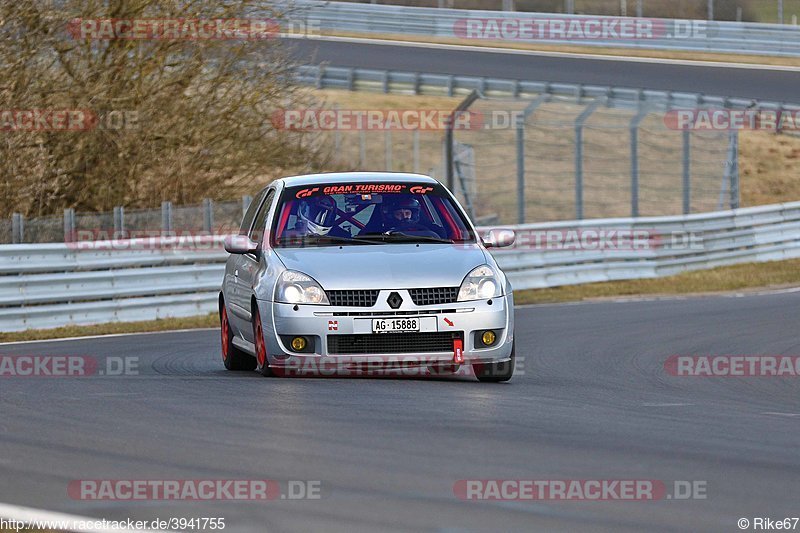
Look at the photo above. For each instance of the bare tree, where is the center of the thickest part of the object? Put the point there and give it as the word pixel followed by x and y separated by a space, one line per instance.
pixel 170 118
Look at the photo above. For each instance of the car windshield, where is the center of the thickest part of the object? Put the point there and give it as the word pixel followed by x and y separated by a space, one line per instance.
pixel 368 214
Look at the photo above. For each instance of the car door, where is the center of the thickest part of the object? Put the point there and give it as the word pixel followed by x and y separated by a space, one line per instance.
pixel 249 266
pixel 237 299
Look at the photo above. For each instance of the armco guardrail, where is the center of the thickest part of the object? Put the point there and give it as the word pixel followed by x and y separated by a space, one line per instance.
pixel 399 82
pixel 707 36
pixel 50 285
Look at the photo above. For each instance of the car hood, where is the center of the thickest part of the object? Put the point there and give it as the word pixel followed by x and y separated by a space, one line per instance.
pixel 385 266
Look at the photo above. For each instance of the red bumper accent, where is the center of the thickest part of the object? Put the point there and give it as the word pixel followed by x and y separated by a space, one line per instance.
pixel 458 351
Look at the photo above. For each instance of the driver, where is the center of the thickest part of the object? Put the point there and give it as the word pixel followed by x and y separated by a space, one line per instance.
pixel 316 216
pixel 403 216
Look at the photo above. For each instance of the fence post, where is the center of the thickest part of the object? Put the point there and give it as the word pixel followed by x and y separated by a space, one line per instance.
pixel 17 228
pixel 635 123
pixel 119 222
pixel 780 11
pixel 166 218
pixel 639 8
pixel 733 158
pixel 687 171
pixel 246 200
pixel 69 225
pixel 208 215
pixel 579 122
pixel 448 137
pixel 415 149
pixel 569 6
pixel 710 9
pixel 362 149
pixel 520 170
pixel 387 139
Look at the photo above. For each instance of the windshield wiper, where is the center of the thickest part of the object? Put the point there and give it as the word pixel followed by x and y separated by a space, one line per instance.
pixel 323 239
pixel 399 236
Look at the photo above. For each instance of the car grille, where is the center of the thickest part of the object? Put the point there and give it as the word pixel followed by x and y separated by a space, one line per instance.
pixel 381 343
pixel 435 296
pixel 353 298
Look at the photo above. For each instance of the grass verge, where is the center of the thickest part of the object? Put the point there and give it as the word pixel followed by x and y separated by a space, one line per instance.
pixel 747 276
pixel 165 324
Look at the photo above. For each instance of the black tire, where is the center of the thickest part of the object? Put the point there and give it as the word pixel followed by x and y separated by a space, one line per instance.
pixel 495 372
pixel 262 361
pixel 232 357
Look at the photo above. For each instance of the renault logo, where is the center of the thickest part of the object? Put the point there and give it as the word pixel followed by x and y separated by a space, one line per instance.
pixel 394 300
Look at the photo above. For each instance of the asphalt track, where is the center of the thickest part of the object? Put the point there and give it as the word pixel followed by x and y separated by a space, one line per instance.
pixel 745 82
pixel 591 400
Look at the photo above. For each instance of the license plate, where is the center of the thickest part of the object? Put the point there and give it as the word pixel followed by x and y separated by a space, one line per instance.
pixel 394 325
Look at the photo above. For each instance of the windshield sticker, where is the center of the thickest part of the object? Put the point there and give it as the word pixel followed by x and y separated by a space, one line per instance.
pixel 364 189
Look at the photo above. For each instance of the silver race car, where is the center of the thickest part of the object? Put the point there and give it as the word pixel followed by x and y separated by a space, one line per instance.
pixel 364 270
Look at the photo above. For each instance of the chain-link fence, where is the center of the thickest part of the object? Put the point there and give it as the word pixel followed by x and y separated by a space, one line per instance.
pixel 207 218
pixel 537 158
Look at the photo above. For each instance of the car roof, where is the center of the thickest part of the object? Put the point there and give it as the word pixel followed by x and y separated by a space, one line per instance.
pixel 355 177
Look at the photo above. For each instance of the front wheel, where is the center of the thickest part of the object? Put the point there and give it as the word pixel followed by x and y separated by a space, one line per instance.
pixel 262 363
pixel 232 357
pixel 495 372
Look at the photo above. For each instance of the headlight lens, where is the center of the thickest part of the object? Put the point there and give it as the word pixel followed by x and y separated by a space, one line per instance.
pixel 297 288
pixel 480 284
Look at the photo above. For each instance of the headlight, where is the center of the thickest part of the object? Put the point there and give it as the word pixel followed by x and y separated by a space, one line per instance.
pixel 297 288
pixel 480 284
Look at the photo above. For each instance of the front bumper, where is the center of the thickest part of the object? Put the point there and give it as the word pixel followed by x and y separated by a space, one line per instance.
pixel 461 320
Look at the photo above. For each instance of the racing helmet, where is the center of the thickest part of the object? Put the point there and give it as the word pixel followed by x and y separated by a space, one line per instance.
pixel 405 204
pixel 318 213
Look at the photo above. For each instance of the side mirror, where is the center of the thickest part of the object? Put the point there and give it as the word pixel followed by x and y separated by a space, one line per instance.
pixel 499 238
pixel 240 244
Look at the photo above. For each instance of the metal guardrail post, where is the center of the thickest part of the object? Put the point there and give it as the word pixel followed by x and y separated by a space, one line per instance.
pixel 569 6
pixel 208 215
pixel 639 8
pixel 635 123
pixel 449 140
pixel 687 172
pixel 579 123
pixel 166 217
pixel 119 222
pixel 710 9
pixel 780 11
pixel 17 228
pixel 69 225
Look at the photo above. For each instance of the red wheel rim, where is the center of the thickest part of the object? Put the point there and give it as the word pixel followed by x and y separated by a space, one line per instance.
pixel 261 349
pixel 224 332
